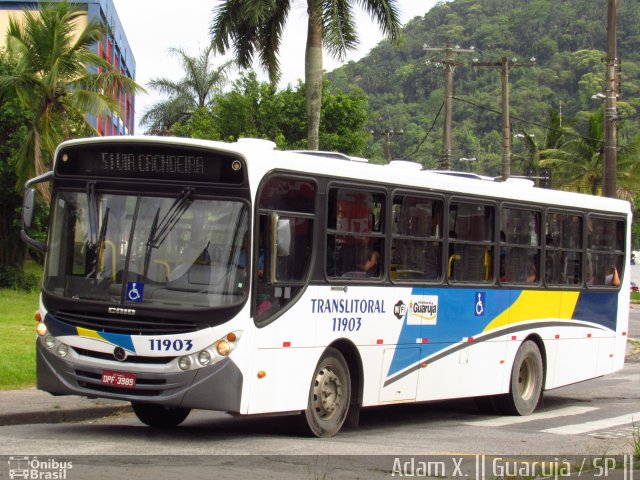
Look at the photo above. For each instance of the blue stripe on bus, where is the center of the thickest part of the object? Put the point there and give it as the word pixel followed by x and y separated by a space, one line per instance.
pixel 61 329
pixel 457 317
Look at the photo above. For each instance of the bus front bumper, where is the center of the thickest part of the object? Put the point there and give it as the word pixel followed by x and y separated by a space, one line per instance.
pixel 215 387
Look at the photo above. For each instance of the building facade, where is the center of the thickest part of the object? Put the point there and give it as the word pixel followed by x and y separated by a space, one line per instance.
pixel 114 48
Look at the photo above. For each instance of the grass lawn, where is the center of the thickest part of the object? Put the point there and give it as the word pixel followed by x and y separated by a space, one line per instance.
pixel 17 339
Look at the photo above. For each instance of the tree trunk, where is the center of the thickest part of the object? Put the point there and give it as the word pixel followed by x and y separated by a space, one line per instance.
pixel 313 76
pixel 41 168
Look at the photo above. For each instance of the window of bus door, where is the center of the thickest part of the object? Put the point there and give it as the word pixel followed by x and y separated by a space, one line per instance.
pixel 355 234
pixel 471 235
pixel 605 251
pixel 416 246
pixel 283 245
pixel 520 246
pixel 563 249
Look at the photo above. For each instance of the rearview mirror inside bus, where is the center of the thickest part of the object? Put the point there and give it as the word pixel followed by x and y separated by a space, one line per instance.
pixel 284 237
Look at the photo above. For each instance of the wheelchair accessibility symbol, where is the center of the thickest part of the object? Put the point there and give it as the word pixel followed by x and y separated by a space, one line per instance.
pixel 480 304
pixel 135 291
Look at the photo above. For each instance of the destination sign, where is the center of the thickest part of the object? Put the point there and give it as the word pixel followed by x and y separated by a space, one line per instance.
pixel 152 161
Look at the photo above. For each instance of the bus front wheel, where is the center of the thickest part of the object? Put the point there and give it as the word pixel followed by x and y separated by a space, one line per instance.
pixel 159 415
pixel 525 388
pixel 329 395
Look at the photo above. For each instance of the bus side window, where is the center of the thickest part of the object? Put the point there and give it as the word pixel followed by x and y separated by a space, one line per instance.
pixel 605 252
pixel 471 242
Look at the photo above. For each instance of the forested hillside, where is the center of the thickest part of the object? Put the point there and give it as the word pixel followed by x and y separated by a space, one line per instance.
pixel 567 39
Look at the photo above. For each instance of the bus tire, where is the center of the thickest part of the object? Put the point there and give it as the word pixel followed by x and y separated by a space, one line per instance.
pixel 329 395
pixel 159 415
pixel 525 387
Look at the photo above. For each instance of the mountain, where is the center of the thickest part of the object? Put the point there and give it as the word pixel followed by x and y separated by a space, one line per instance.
pixel 567 38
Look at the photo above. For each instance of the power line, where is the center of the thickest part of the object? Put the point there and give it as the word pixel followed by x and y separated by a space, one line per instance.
pixel 428 132
pixel 529 122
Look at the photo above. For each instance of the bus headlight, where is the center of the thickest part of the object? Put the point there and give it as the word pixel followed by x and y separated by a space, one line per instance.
pixel 49 341
pixel 184 363
pixel 223 348
pixel 41 329
pixel 62 350
pixel 204 358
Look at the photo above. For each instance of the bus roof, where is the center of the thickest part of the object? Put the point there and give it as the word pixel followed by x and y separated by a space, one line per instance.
pixel 262 157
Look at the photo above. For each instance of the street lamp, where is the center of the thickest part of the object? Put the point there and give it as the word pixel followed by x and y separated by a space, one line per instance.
pixel 468 160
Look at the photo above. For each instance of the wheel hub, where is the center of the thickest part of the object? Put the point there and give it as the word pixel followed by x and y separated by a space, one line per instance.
pixel 327 393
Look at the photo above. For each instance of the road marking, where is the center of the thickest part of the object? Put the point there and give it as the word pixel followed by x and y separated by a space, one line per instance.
pixel 585 427
pixel 504 421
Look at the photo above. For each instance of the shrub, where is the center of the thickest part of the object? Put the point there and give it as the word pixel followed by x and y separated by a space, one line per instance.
pixel 15 278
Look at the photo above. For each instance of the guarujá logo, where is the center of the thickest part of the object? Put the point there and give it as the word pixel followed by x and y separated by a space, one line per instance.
pixel 424 311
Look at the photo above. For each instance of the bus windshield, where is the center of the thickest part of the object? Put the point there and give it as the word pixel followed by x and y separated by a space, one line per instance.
pixel 173 251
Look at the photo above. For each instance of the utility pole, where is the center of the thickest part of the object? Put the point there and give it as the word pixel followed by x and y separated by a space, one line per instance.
pixel 505 65
pixel 388 136
pixel 610 107
pixel 449 64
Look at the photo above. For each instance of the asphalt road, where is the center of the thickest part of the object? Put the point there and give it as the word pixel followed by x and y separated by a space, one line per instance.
pixel 600 417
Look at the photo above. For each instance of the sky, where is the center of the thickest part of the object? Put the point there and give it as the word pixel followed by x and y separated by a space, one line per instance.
pixel 154 26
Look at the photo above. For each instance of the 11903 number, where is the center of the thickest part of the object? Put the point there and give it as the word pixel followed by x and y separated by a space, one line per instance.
pixel 344 324
pixel 166 345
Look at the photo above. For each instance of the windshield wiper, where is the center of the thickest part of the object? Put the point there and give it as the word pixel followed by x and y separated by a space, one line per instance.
pixel 96 238
pixel 160 229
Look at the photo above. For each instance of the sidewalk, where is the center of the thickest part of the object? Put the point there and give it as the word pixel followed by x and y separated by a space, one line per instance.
pixel 18 407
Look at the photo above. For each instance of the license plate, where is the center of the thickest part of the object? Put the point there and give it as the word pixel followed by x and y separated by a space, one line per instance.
pixel 118 379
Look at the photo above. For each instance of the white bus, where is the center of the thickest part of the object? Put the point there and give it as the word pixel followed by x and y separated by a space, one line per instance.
pixel 184 274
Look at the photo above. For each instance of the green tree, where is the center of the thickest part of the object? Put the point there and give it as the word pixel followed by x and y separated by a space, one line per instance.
pixel 14 121
pixel 255 109
pixel 59 79
pixel 577 163
pixel 256 26
pixel 192 93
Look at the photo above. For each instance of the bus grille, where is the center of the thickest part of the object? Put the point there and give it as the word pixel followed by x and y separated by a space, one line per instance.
pixel 129 359
pixel 132 326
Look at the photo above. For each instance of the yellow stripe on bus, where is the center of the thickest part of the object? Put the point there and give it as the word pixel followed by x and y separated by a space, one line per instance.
pixel 537 305
pixel 85 332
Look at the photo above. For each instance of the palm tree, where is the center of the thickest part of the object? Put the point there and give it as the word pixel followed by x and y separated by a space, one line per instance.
pixel 578 163
pixel 59 79
pixel 256 26
pixel 188 95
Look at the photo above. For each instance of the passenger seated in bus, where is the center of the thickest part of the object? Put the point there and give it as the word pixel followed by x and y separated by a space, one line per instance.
pixel 369 259
pixel 532 276
pixel 613 278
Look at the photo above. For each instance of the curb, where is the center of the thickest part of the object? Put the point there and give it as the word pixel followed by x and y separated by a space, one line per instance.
pixel 63 415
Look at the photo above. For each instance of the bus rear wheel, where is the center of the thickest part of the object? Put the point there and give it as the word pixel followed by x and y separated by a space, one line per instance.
pixel 159 415
pixel 329 395
pixel 525 389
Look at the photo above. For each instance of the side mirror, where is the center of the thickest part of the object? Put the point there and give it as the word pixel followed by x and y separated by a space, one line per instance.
pixel 28 206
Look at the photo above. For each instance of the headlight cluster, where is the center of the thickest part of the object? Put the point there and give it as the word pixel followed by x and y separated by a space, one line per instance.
pixel 212 354
pixel 50 341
